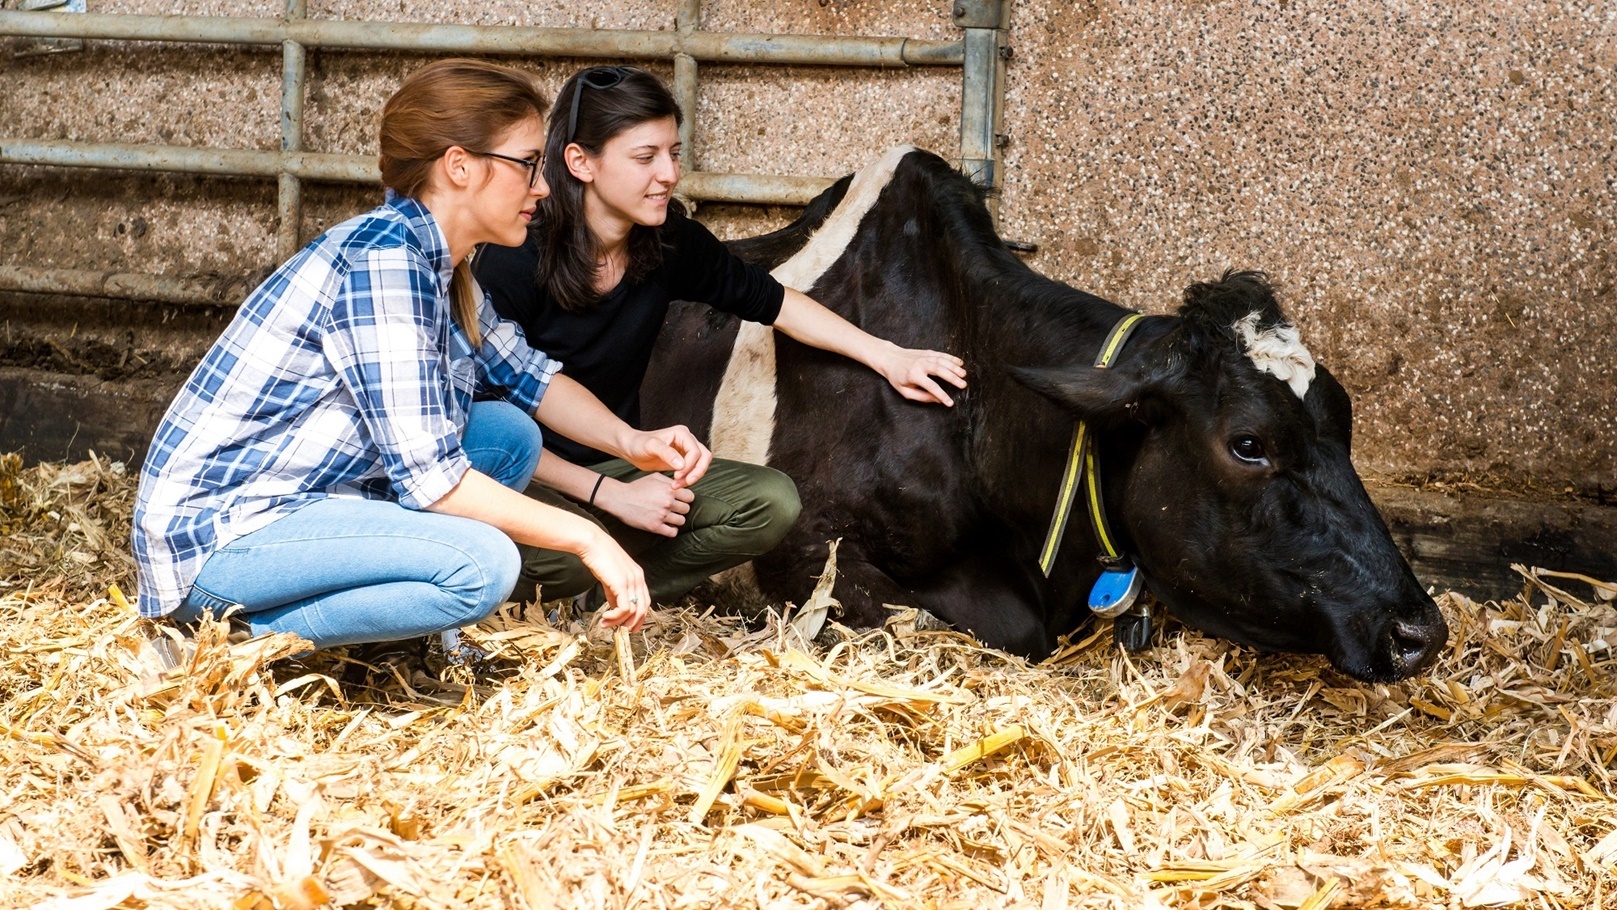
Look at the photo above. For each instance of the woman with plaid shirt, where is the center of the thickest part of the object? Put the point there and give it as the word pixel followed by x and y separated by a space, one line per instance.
pixel 326 469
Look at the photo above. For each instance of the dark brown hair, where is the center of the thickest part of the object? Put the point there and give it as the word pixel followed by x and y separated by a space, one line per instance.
pixel 568 249
pixel 469 103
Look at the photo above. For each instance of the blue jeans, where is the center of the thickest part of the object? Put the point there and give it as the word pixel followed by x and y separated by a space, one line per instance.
pixel 345 571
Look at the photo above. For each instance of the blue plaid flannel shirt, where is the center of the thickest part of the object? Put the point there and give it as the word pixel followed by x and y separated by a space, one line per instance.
pixel 343 374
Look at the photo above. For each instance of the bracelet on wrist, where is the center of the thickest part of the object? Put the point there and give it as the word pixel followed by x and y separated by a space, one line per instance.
pixel 597 488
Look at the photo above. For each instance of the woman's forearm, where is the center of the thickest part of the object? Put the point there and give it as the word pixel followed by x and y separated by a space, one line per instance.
pixel 524 520
pixel 570 409
pixel 567 478
pixel 910 372
pixel 808 321
pixel 529 521
pixel 574 412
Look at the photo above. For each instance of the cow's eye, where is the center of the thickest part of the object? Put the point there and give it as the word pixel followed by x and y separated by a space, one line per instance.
pixel 1249 449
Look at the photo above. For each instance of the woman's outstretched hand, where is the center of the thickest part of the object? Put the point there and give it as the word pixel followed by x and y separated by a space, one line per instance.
pixel 911 372
pixel 654 503
pixel 914 373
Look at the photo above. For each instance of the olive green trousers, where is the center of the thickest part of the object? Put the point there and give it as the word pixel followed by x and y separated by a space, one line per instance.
pixel 741 511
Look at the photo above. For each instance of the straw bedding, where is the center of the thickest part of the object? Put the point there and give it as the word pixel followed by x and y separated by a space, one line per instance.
pixel 703 764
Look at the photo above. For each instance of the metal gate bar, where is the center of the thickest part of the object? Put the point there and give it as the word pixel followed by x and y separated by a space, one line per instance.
pixel 980 55
pixel 327 168
pixel 715 47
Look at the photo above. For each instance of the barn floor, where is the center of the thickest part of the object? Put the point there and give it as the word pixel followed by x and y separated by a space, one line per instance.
pixel 708 764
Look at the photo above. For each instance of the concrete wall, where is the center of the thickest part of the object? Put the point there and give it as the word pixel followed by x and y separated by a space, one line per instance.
pixel 1432 184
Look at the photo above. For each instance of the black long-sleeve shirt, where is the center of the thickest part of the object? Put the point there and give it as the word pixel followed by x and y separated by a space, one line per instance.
pixel 607 347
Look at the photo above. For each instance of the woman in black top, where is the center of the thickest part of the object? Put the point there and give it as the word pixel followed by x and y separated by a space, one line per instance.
pixel 607 251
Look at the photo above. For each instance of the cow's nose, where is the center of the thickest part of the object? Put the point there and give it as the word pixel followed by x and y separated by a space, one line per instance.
pixel 1415 645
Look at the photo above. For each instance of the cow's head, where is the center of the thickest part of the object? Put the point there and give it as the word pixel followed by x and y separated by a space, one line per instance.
pixel 1226 464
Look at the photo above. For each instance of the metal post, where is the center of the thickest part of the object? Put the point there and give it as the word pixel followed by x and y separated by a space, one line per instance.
pixel 982 92
pixel 690 19
pixel 294 80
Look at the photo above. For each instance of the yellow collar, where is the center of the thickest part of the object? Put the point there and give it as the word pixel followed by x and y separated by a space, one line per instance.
pixel 1081 466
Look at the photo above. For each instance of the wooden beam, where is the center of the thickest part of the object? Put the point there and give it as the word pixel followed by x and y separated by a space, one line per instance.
pixel 1466 542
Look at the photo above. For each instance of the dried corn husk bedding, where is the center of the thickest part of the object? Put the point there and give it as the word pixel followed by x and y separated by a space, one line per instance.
pixel 700 764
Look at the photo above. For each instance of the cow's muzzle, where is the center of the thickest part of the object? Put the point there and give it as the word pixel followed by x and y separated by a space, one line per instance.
pixel 1410 646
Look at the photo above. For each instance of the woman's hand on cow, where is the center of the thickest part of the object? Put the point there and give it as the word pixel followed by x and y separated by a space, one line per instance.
pixel 628 600
pixel 652 503
pixel 912 373
pixel 668 449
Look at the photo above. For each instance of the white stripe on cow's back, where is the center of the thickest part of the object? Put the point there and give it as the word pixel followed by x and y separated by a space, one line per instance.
pixel 1278 351
pixel 744 411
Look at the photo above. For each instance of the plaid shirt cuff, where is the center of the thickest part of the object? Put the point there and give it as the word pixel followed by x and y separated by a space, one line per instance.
pixel 434 483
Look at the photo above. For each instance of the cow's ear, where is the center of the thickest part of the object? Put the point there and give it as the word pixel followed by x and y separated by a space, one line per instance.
pixel 1331 407
pixel 1090 392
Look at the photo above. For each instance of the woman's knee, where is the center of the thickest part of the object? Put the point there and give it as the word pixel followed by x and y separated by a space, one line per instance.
pixel 488 575
pixel 785 505
pixel 503 442
pixel 774 508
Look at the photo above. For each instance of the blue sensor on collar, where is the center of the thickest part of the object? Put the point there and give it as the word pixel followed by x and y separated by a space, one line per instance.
pixel 1114 592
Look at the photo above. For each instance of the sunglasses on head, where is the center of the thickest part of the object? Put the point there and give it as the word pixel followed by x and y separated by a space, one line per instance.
pixel 600 78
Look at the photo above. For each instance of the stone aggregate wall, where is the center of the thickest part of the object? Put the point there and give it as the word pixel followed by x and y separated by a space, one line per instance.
pixel 1433 185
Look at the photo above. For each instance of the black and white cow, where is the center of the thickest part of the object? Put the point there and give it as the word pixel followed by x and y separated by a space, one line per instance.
pixel 1223 447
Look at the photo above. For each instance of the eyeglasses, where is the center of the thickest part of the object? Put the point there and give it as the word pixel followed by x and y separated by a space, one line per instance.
pixel 532 164
pixel 599 78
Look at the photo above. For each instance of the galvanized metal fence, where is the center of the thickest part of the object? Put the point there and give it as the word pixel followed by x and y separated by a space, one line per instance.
pixel 980 54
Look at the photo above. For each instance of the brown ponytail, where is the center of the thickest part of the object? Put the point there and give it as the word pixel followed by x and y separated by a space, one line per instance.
pixel 469 103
